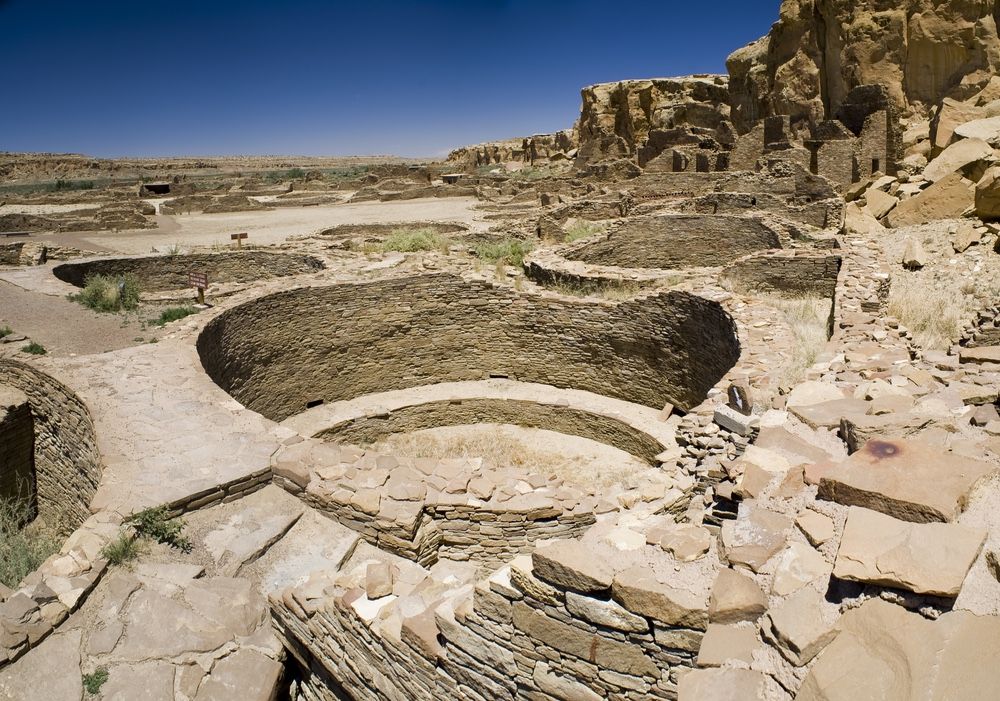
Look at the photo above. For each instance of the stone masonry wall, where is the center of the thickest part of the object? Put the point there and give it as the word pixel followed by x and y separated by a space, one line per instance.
pixel 525 633
pixel 171 272
pixel 279 353
pixel 475 411
pixel 17 449
pixel 678 241
pixel 786 272
pixel 67 464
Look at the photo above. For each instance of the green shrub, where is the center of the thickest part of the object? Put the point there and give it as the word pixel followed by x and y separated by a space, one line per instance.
pixel 34 349
pixel 109 293
pixel 74 185
pixel 23 545
pixel 295 174
pixel 506 252
pixel 411 240
pixel 95 680
pixel 5 331
pixel 582 229
pixel 154 524
pixel 122 549
pixel 174 314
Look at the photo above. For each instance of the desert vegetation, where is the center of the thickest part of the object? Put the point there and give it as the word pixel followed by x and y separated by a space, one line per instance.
pixel 24 543
pixel 108 293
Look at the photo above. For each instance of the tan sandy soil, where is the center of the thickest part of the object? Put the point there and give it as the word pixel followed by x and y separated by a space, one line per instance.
pixel 266 227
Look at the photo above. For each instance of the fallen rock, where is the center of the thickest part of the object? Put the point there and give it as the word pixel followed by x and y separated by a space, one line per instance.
pixel 987 197
pixel 925 558
pixel 754 536
pixel 797 566
pixel 723 643
pixel 948 198
pixel 966 236
pixel 987 130
pixel 914 256
pixel 735 597
pixel 957 157
pixel 816 527
pixel 907 479
pixel 727 685
pixel 800 626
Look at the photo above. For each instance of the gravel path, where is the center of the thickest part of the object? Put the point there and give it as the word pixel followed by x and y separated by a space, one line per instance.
pixel 64 327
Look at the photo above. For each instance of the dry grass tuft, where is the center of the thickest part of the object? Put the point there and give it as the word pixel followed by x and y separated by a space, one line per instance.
pixel 808 318
pixel 23 547
pixel 936 310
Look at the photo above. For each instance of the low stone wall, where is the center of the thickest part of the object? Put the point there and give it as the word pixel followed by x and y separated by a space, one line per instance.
pixel 822 214
pixel 17 449
pixel 538 628
pixel 67 464
pixel 603 429
pixel 171 272
pixel 793 273
pixel 677 241
pixel 281 353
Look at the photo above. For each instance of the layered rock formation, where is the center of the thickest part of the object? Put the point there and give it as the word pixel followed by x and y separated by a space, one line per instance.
pixel 640 118
pixel 819 50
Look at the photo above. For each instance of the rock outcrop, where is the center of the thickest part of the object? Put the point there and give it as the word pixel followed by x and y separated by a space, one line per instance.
pixel 819 50
pixel 640 118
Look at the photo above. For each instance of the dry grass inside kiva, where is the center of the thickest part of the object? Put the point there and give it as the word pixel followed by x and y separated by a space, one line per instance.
pixel 576 460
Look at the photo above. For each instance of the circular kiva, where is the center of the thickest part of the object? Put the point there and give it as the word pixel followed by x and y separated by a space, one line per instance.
pixel 633 428
pixel 280 354
pixel 47 446
pixel 170 272
pixel 676 242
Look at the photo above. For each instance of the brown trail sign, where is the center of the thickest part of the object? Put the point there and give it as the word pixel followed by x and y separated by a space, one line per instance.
pixel 199 280
pixel 238 238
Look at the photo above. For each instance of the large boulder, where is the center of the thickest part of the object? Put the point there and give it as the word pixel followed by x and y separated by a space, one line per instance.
pixel 948 198
pixel 987 195
pixel 959 157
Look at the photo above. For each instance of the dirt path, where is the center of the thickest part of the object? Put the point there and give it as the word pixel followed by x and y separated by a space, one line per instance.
pixel 64 327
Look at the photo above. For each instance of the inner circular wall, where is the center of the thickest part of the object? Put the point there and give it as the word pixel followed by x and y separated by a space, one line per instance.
pixel 67 465
pixel 171 272
pixel 281 353
pixel 562 419
pixel 675 241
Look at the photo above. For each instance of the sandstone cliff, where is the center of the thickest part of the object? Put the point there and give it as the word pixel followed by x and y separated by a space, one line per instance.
pixel 540 148
pixel 818 50
pixel 640 117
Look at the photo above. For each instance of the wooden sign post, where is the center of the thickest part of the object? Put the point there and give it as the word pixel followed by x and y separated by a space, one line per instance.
pixel 238 238
pixel 200 281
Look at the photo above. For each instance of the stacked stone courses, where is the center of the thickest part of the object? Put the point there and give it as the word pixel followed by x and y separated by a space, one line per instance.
pixel 277 358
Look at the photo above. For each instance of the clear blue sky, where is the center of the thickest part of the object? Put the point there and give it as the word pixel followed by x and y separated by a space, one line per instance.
pixel 303 77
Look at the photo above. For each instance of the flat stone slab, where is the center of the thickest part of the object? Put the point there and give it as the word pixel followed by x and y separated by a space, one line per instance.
pixel 884 652
pixel 980 354
pixel 909 480
pixel 925 558
pixel 267 515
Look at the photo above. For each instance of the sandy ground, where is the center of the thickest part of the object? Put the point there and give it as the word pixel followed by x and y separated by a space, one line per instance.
pixel 267 227
pixel 67 328
pixel 45 208
pixel 575 459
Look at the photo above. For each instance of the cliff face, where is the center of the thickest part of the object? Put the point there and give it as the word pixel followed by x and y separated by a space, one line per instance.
pixel 818 50
pixel 540 148
pixel 639 117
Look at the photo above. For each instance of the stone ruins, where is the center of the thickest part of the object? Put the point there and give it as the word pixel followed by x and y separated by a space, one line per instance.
pixel 742 332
